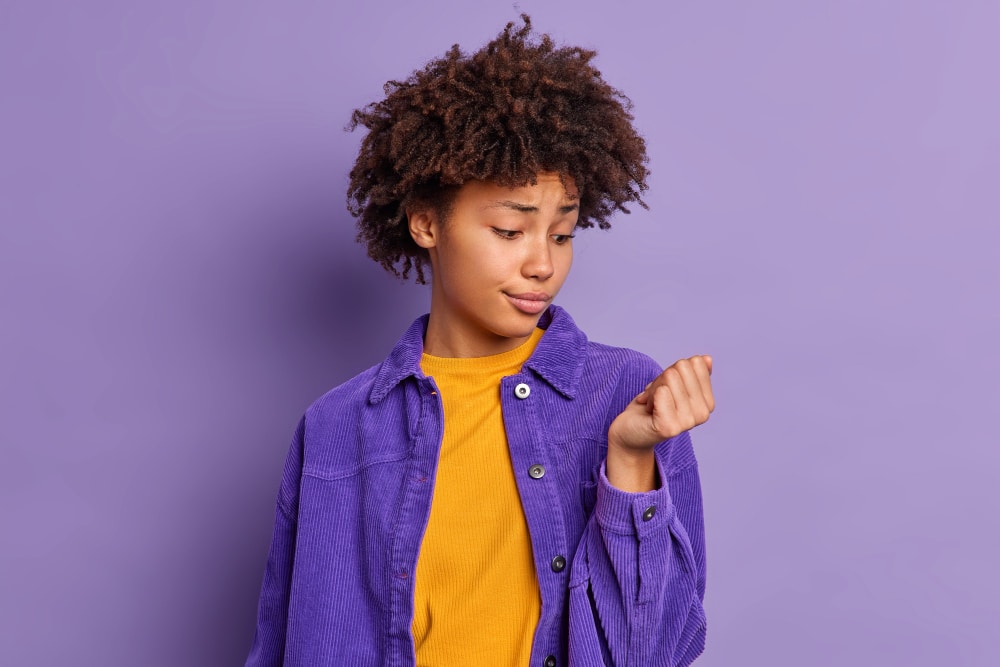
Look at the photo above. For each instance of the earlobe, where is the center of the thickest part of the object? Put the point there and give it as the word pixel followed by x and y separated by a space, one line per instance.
pixel 422 228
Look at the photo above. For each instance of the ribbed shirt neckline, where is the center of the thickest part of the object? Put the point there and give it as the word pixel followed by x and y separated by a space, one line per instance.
pixel 511 360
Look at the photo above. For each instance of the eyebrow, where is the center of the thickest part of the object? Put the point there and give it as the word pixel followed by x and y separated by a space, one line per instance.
pixel 525 208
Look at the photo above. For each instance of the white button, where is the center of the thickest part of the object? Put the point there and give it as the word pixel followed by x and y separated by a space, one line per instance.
pixel 522 390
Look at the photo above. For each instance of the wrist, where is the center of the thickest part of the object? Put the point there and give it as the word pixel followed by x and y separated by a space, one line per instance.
pixel 631 470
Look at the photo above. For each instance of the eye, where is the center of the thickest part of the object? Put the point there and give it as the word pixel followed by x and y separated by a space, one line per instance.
pixel 562 239
pixel 504 233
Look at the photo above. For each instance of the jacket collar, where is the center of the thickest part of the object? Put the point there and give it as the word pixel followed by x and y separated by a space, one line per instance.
pixel 558 358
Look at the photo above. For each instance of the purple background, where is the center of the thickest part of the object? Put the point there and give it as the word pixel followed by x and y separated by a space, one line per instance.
pixel 178 281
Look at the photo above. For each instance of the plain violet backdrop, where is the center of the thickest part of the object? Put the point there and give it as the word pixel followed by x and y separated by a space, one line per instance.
pixel 179 280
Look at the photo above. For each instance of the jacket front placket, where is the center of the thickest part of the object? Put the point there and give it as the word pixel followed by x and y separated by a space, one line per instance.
pixel 536 472
pixel 414 511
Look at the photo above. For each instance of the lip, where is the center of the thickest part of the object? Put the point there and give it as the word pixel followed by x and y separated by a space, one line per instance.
pixel 530 303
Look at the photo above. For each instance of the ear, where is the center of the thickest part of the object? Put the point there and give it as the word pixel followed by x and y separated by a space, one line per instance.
pixel 423 226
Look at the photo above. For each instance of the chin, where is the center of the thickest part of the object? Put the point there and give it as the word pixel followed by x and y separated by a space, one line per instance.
pixel 520 329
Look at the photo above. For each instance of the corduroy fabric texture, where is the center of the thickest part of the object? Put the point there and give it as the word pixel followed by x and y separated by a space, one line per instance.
pixel 355 498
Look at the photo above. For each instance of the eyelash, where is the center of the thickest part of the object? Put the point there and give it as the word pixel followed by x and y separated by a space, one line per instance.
pixel 510 234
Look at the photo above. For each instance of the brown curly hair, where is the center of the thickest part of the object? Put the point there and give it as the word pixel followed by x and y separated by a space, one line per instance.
pixel 513 109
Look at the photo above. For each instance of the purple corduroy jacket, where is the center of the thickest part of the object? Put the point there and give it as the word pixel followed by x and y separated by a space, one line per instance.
pixel 355 497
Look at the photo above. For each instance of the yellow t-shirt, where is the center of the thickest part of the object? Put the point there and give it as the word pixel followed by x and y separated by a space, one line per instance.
pixel 476 591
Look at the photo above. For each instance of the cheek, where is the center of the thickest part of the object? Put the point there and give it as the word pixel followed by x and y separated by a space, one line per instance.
pixel 493 262
pixel 566 262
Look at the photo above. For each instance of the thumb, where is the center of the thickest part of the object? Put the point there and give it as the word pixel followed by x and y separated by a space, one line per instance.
pixel 708 360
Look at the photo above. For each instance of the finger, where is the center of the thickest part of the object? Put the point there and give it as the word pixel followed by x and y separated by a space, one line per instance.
pixel 659 381
pixel 680 403
pixel 708 360
pixel 697 405
pixel 664 410
pixel 643 396
pixel 702 372
pixel 689 374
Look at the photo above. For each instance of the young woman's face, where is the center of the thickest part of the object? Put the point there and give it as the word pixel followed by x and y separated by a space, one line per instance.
pixel 497 263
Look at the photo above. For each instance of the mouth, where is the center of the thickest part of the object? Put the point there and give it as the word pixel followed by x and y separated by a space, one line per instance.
pixel 530 303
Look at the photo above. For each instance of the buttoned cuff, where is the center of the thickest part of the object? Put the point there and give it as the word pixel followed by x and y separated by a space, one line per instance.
pixel 636 514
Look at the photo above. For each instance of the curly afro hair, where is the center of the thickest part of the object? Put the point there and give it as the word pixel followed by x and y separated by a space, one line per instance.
pixel 503 114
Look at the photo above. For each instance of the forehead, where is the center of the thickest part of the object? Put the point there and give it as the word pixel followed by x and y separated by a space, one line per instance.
pixel 549 187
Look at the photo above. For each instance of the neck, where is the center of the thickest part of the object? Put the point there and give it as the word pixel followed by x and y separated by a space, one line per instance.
pixel 445 339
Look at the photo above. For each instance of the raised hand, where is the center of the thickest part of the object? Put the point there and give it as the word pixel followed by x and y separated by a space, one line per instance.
pixel 679 399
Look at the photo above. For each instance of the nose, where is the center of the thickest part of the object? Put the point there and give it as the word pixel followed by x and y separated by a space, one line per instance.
pixel 538 262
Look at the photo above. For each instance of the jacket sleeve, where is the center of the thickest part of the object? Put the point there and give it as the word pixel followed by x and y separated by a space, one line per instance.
pixel 638 575
pixel 272 611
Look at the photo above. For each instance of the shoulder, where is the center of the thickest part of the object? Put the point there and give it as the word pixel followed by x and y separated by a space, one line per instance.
pixel 572 361
pixel 350 396
pixel 370 386
pixel 628 370
pixel 610 377
pixel 623 361
pixel 356 388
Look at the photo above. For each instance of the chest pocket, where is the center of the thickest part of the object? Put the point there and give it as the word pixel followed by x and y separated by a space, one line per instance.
pixel 343 443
